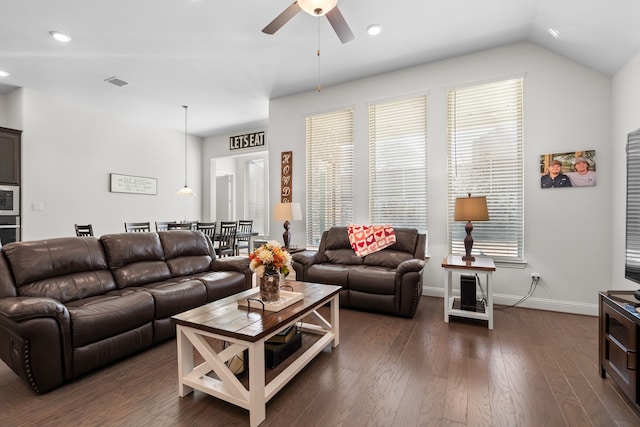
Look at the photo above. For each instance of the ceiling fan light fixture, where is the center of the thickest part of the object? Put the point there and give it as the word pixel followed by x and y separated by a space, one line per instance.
pixel 317 7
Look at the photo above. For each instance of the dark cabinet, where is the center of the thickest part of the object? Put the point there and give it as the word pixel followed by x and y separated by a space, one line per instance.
pixel 10 156
pixel 618 340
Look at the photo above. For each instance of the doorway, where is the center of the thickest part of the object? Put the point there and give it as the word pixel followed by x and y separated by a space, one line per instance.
pixel 224 200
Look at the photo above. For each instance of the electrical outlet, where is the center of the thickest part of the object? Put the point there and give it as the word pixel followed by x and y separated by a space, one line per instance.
pixel 535 276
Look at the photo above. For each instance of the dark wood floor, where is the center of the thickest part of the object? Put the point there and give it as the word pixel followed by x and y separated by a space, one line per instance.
pixel 535 368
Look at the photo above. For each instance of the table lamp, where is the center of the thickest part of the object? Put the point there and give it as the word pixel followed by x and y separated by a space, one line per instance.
pixel 287 212
pixel 470 209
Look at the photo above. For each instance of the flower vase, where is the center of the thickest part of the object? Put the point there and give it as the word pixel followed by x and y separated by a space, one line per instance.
pixel 270 286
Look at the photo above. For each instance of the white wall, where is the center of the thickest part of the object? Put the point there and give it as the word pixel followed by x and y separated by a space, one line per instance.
pixel 567 107
pixel 68 152
pixel 626 118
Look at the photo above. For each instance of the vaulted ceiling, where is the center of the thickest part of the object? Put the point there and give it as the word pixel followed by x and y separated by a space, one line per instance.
pixel 212 55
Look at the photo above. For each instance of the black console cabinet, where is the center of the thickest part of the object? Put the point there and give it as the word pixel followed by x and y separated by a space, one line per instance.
pixel 618 340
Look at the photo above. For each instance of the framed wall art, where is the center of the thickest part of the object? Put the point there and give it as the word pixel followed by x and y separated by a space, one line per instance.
pixel 133 184
pixel 571 169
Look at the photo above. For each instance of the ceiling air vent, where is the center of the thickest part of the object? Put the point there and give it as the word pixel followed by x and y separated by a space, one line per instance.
pixel 116 81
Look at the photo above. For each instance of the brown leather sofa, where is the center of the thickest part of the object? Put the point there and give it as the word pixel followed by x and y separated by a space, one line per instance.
pixel 71 305
pixel 388 281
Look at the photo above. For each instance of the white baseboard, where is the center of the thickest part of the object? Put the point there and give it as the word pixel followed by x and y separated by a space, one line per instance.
pixel 531 302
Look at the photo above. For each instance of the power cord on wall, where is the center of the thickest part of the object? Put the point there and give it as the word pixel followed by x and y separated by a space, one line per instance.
pixel 483 299
pixel 532 289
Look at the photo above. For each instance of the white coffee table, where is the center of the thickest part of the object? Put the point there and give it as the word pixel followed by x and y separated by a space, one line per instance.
pixel 248 330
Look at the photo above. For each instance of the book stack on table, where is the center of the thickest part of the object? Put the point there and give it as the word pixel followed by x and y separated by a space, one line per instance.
pixel 282 345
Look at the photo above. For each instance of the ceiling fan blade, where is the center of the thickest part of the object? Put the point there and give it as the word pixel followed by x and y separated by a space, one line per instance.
pixel 339 24
pixel 282 19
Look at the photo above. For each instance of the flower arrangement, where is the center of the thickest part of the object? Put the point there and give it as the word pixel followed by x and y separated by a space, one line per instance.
pixel 270 258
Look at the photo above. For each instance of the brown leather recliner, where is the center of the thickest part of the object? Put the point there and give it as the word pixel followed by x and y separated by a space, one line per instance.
pixel 70 305
pixel 388 281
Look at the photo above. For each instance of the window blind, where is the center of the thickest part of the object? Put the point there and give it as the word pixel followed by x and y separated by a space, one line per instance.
pixel 485 159
pixel 398 163
pixel 329 172
pixel 632 250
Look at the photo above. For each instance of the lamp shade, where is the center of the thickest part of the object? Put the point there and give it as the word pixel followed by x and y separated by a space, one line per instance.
pixel 287 212
pixel 317 7
pixel 471 209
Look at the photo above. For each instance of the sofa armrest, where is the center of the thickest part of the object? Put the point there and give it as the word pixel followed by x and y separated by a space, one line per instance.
pixel 18 309
pixel 410 265
pixel 35 340
pixel 409 284
pixel 235 263
pixel 307 258
pixel 303 260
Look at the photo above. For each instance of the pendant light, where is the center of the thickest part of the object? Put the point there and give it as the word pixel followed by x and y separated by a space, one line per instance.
pixel 185 191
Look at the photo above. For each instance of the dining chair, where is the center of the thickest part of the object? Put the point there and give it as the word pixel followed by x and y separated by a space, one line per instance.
pixel 243 235
pixel 179 226
pixel 226 238
pixel 137 227
pixel 84 230
pixel 208 229
pixel 163 225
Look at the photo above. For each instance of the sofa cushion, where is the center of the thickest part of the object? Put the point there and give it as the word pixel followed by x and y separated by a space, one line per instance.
pixel 99 317
pixel 7 286
pixel 389 258
pixel 175 296
pixel 136 259
pixel 127 248
pixel 373 280
pixel 65 269
pixel 334 274
pixel 406 240
pixel 337 238
pixel 186 252
pixel 71 287
pixel 221 284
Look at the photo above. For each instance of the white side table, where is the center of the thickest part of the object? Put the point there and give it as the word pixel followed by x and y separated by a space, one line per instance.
pixel 481 265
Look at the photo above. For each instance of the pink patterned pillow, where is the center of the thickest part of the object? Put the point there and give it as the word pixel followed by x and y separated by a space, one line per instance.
pixel 366 239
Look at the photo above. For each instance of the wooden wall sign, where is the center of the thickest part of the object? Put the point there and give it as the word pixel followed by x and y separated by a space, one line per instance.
pixel 286 170
pixel 248 140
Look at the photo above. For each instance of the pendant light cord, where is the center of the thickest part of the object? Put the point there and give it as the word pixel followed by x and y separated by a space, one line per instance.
pixel 318 53
pixel 185 144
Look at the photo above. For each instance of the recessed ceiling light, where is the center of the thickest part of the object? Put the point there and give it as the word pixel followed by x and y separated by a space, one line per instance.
pixel 554 33
pixel 374 29
pixel 60 36
pixel 4 74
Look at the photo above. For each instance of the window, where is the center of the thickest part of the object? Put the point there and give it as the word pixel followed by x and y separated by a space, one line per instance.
pixel 632 249
pixel 329 172
pixel 398 163
pixel 485 159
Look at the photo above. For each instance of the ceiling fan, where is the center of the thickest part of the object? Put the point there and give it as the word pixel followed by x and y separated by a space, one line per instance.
pixel 315 8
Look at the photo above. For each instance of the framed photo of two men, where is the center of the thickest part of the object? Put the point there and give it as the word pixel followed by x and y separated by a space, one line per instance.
pixel 572 169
